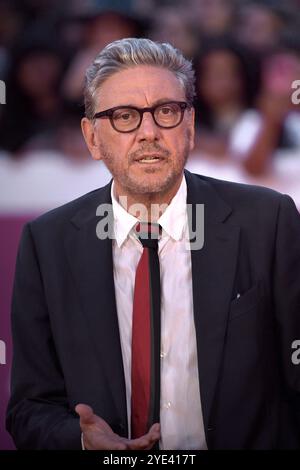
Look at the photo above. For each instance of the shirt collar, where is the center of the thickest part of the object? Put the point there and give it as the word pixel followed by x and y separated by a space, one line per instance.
pixel 172 221
pixel 123 220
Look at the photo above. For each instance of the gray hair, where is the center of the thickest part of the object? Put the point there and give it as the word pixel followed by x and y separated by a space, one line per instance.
pixel 130 52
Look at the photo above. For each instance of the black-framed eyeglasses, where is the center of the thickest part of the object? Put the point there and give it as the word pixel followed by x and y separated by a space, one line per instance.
pixel 129 118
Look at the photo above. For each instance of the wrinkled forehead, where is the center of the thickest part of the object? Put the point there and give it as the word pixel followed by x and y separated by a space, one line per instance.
pixel 139 86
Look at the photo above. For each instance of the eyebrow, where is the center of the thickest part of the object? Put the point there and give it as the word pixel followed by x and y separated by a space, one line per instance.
pixel 155 103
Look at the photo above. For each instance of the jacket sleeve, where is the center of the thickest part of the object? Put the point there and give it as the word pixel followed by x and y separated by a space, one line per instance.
pixel 286 296
pixel 38 414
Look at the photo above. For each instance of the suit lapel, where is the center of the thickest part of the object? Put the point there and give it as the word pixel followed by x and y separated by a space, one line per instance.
pixel 213 271
pixel 91 264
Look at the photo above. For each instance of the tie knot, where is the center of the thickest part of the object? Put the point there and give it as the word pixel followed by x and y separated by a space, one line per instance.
pixel 148 234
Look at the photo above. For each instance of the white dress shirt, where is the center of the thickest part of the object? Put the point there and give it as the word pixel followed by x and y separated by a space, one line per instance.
pixel 180 406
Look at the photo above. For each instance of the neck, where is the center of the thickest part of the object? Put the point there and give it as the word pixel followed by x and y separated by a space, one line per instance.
pixel 147 207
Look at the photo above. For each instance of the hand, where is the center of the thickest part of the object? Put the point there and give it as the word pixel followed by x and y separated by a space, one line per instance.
pixel 274 108
pixel 278 73
pixel 98 435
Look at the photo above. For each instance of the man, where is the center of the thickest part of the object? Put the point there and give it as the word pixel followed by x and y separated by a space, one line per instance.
pixel 228 313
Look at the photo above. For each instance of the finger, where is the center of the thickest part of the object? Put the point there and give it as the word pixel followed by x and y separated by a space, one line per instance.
pixel 154 433
pixel 138 444
pixel 86 414
pixel 146 441
pixel 109 443
pixel 154 430
pixel 141 444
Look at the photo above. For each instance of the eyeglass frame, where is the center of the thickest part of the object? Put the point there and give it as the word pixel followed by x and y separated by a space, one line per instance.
pixel 108 113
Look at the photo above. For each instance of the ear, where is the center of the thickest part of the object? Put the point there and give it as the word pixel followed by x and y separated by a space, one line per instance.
pixel 191 129
pixel 89 134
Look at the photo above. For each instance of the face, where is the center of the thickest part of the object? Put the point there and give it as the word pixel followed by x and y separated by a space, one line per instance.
pixel 221 79
pixel 141 86
pixel 38 73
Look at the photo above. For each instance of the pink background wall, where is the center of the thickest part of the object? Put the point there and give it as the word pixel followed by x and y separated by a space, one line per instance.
pixel 10 231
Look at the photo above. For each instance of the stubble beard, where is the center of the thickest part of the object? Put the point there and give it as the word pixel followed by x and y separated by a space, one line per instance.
pixel 146 186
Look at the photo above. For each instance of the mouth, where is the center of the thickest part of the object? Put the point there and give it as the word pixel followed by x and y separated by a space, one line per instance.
pixel 153 158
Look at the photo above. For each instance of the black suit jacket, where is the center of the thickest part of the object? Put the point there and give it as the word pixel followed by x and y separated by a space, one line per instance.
pixel 246 293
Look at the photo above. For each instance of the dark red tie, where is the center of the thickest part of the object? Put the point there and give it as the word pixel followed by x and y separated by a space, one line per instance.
pixel 145 361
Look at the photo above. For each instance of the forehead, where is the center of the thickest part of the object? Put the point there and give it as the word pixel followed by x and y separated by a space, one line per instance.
pixel 140 86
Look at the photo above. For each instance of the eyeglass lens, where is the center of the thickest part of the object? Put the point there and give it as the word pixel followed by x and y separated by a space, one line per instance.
pixel 165 115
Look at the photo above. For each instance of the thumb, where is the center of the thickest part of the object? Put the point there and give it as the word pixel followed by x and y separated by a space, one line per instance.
pixel 86 414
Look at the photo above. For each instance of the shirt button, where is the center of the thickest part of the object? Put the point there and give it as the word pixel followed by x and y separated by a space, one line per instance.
pixel 162 354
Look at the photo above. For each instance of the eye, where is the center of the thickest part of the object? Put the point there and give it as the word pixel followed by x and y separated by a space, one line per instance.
pixel 166 110
pixel 124 115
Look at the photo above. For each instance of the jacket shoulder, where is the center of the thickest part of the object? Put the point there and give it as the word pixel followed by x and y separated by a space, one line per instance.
pixel 86 203
pixel 241 194
pixel 233 190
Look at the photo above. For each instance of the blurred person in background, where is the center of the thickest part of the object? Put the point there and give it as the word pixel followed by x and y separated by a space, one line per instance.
pixel 211 17
pixel 275 122
pixel 102 23
pixel 174 26
pixel 82 27
pixel 9 25
pixel 261 22
pixel 33 99
pixel 226 86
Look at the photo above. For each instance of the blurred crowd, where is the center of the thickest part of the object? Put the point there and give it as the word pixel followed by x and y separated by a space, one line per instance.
pixel 246 55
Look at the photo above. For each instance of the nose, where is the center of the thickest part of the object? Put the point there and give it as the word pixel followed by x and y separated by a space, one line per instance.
pixel 148 130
